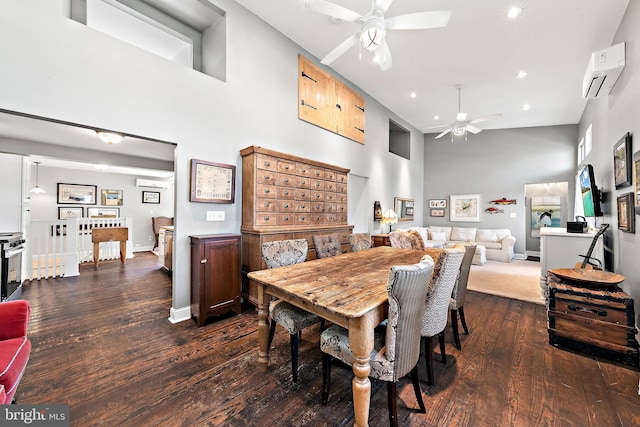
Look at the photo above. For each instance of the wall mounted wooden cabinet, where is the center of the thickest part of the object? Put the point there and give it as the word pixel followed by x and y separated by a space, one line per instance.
pixel 329 103
pixel 288 197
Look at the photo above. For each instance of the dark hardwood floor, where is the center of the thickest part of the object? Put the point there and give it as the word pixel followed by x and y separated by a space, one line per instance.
pixel 102 344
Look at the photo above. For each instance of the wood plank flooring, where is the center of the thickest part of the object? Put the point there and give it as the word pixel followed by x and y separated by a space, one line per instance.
pixel 102 344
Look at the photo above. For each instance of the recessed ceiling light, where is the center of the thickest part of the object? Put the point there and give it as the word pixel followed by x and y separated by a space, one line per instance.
pixel 436 117
pixel 412 94
pixel 526 107
pixel 514 12
pixel 522 74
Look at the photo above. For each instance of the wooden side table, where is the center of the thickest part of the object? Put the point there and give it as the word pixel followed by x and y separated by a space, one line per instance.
pixel 111 234
pixel 380 240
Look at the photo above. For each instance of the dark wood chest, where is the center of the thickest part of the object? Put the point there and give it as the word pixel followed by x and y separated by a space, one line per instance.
pixel 594 321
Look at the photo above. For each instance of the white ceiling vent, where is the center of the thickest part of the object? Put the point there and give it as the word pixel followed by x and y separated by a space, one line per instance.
pixel 603 71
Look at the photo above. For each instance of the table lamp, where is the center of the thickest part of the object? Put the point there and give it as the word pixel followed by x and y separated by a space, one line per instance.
pixel 389 217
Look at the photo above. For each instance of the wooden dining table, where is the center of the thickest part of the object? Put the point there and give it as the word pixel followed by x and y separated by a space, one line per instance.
pixel 349 290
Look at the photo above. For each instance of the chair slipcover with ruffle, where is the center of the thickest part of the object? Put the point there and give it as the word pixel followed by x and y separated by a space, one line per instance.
pixel 397 346
pixel 291 318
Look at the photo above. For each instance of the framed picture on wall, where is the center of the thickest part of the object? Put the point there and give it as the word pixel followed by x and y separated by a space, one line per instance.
pixel 112 197
pixel 76 194
pixel 622 161
pixel 437 204
pixel 465 207
pixel 626 217
pixel 151 197
pixel 103 212
pixel 70 212
pixel 437 212
pixel 212 182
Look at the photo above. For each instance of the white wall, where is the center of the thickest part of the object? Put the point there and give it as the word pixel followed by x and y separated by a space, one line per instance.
pixel 55 67
pixel 45 206
pixel 612 116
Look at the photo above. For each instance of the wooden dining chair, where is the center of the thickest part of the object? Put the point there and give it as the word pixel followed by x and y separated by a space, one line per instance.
pixel 396 346
pixel 360 241
pixel 326 245
pixel 456 303
pixel 436 311
pixel 293 319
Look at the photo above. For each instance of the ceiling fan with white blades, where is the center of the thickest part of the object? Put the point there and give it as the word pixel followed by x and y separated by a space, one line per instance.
pixel 372 34
pixel 462 126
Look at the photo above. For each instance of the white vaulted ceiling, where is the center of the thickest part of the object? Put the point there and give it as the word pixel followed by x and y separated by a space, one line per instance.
pixel 480 48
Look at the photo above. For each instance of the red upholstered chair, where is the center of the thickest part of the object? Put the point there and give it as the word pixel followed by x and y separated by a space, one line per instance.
pixel 14 346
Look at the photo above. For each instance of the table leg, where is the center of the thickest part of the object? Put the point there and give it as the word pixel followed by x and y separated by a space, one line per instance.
pixel 123 250
pixel 96 253
pixel 361 344
pixel 263 326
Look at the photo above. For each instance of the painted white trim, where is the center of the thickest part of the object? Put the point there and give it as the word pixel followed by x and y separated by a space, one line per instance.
pixel 520 256
pixel 179 314
pixel 532 253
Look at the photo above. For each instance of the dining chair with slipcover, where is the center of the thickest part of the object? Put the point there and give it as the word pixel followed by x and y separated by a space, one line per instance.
pixel 436 311
pixel 279 254
pixel 456 303
pixel 397 346
pixel 359 241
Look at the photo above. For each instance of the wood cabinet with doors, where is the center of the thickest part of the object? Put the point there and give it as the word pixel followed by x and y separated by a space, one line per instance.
pixel 215 275
pixel 288 197
pixel 326 102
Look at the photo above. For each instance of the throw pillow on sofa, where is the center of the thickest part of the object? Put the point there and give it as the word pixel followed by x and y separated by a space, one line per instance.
pixel 487 236
pixel 438 235
pixel 463 234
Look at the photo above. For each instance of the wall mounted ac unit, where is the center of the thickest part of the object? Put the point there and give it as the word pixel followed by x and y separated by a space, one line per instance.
pixel 150 183
pixel 603 71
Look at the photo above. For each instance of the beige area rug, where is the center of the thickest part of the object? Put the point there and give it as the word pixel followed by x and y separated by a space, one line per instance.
pixel 517 280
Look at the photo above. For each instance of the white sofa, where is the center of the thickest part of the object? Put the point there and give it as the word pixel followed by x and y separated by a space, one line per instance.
pixel 498 242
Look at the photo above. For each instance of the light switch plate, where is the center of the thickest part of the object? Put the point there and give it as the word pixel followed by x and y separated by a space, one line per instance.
pixel 215 215
pixel 512 215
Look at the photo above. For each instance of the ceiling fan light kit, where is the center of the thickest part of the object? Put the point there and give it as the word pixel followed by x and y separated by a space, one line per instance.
pixel 372 34
pixel 462 126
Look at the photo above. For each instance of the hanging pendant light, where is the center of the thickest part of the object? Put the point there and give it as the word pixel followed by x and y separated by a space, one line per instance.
pixel 37 189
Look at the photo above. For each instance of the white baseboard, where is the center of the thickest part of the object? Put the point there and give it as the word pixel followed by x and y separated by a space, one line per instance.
pixel 520 256
pixel 143 248
pixel 179 314
pixel 532 253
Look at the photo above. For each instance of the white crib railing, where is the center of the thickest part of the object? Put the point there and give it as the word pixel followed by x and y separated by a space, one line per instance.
pixel 54 251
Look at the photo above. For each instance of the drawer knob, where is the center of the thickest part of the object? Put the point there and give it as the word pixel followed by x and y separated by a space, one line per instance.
pixel 267 164
pixel 203 261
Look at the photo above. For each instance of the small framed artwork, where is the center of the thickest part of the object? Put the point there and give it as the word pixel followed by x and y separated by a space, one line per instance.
pixel 76 194
pixel 636 167
pixel 212 182
pixel 622 161
pixel 409 211
pixel 103 212
pixel 151 197
pixel 377 211
pixel 626 217
pixel 112 197
pixel 465 207
pixel 70 212
pixel 437 212
pixel 437 204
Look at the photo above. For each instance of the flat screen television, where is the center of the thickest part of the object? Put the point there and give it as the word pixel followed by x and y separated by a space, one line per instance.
pixel 590 192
